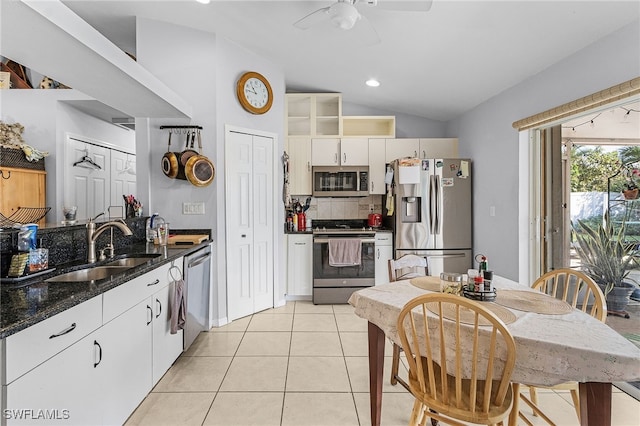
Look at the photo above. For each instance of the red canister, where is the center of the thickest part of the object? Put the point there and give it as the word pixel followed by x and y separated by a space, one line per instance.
pixel 302 221
pixel 374 220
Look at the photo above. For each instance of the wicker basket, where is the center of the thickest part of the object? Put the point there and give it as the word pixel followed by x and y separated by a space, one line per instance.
pixel 13 157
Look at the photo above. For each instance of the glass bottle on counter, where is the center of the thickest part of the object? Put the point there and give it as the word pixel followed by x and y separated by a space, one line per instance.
pixel 150 228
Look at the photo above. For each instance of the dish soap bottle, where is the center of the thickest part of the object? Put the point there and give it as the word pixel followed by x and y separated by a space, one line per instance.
pixel 151 228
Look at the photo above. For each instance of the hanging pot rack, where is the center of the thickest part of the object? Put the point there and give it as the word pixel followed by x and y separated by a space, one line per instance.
pixel 186 127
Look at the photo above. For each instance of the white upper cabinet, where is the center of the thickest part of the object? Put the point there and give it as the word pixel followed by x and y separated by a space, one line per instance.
pixel 354 152
pixel 340 152
pixel 313 114
pixel 439 148
pixel 400 148
pixel 377 167
pixel 299 166
pixel 325 152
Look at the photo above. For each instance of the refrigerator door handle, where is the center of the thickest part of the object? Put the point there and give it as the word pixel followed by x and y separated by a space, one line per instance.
pixel 437 201
pixel 432 204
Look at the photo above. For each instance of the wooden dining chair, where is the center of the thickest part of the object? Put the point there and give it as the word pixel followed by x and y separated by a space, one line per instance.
pixel 460 360
pixel 581 292
pixel 405 267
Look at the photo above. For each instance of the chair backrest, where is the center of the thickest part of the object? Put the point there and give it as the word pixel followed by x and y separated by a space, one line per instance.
pixel 408 266
pixel 567 284
pixel 465 362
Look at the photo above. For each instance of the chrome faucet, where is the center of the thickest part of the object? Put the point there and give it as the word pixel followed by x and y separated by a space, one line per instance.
pixel 93 234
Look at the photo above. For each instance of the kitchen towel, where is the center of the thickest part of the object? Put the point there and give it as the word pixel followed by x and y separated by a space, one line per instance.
pixel 345 252
pixel 178 307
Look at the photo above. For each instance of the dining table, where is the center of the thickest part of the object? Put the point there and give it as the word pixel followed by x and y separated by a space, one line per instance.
pixel 554 343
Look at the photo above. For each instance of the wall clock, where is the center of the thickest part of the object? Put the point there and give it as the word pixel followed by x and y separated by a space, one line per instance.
pixel 254 93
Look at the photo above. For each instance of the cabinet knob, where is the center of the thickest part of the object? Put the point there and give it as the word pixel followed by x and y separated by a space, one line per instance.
pixel 371 186
pixel 335 158
pixel 344 157
pixel 308 166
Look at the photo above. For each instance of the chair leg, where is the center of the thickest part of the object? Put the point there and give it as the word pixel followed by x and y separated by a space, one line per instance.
pixel 533 394
pixel 536 410
pixel 415 418
pixel 515 406
pixel 395 364
pixel 576 402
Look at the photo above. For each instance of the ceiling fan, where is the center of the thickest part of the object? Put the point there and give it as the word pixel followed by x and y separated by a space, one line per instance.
pixel 344 13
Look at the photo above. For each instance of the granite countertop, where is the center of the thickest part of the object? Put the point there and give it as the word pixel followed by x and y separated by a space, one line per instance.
pixel 34 300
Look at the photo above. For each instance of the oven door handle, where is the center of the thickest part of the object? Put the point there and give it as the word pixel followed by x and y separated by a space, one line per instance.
pixel 326 240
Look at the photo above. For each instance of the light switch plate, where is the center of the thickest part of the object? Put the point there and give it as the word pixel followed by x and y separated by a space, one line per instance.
pixel 193 208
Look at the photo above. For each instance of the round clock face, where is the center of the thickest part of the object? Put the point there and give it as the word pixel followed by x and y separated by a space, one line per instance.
pixel 254 93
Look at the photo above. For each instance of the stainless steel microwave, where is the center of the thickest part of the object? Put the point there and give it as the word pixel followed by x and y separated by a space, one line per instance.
pixel 340 181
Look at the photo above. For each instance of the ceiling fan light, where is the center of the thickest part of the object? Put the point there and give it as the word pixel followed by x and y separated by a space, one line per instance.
pixel 343 15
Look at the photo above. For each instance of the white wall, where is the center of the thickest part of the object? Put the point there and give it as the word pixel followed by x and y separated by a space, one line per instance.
pixel 203 70
pixel 47 118
pixel 485 134
pixel 407 126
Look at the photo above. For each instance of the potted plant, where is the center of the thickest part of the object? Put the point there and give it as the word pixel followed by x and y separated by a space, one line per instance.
pixel 607 258
pixel 629 188
pixel 629 157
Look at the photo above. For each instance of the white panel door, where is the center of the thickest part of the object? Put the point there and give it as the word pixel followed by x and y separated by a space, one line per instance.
pixel 240 207
pixel 123 179
pixel 87 188
pixel 250 243
pixel 263 200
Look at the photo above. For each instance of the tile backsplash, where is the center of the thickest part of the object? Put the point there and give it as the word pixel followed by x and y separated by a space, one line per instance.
pixel 342 208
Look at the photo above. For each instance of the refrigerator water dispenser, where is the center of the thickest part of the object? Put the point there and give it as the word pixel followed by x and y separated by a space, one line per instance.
pixel 411 211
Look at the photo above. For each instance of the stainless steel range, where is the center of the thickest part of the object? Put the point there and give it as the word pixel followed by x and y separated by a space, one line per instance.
pixel 333 281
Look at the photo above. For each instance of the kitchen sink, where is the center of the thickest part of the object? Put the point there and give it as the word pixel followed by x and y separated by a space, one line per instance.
pixel 94 273
pixel 132 261
pixel 89 274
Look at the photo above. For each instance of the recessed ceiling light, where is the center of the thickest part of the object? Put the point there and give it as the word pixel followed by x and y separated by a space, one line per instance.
pixel 372 82
pixel 204 1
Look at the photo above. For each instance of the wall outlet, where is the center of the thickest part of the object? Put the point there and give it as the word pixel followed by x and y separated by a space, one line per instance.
pixel 371 207
pixel 192 208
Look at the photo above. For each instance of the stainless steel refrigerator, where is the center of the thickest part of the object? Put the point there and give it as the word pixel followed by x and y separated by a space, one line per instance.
pixel 431 212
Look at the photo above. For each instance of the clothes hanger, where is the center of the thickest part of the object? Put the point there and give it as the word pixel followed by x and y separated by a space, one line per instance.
pixel 86 162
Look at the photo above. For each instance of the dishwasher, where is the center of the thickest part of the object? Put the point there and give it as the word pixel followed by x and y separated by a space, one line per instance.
pixel 197 277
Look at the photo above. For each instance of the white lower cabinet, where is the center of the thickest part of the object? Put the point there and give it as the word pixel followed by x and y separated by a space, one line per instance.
pixel 101 378
pixel 384 252
pixel 64 390
pixel 126 351
pixel 300 265
pixel 166 346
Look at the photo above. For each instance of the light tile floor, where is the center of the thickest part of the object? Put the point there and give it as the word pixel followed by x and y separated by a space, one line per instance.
pixel 301 364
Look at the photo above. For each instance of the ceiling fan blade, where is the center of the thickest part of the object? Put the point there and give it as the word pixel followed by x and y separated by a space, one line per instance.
pixel 401 5
pixel 312 19
pixel 369 35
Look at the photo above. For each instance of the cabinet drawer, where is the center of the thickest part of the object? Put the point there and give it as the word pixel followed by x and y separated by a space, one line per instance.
pixel 34 345
pixel 384 238
pixel 127 295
